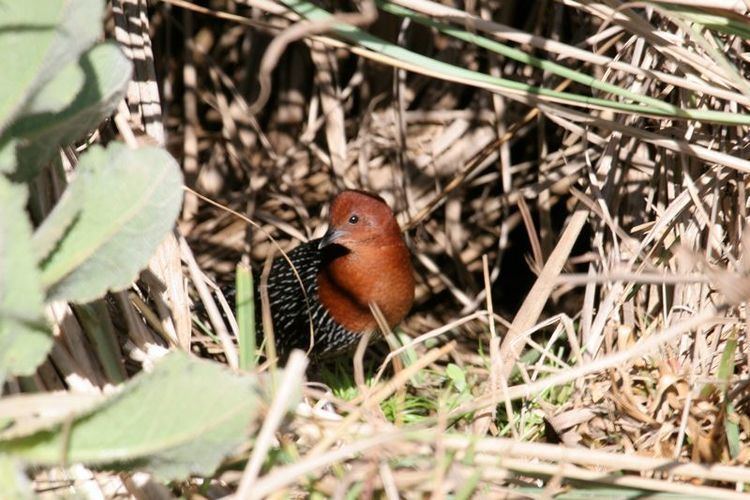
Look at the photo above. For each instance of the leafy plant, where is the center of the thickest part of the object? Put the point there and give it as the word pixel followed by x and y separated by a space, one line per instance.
pixel 137 426
pixel 119 204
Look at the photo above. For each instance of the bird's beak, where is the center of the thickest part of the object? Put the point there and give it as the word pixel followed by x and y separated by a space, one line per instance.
pixel 330 237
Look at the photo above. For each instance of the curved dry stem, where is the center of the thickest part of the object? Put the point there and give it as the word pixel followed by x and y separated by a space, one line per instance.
pixel 299 31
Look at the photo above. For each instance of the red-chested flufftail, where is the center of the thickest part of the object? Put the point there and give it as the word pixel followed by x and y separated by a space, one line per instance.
pixel 361 259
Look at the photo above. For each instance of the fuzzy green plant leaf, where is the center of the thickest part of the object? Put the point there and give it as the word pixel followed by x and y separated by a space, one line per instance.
pixel 54 96
pixel 75 101
pixel 38 39
pixel 131 199
pixel 13 481
pixel 8 158
pixel 24 339
pixel 182 418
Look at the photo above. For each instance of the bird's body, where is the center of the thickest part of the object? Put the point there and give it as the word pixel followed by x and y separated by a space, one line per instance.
pixel 292 310
pixel 361 260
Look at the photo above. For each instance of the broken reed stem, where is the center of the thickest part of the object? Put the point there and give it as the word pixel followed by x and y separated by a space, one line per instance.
pixel 534 303
pixel 498 383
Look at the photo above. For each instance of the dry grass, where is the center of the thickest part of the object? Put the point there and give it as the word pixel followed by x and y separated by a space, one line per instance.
pixel 582 275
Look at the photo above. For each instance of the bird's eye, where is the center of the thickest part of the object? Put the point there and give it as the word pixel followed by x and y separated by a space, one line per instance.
pixel 353 219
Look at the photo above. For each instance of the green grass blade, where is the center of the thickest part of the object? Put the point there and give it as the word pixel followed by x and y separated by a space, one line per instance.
pixel 732 430
pixel 730 23
pixel 98 326
pixel 245 311
pixel 523 57
pixel 726 365
pixel 426 65
pixel 469 487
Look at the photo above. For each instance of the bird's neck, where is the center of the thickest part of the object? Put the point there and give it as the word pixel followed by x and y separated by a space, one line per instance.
pixel 380 274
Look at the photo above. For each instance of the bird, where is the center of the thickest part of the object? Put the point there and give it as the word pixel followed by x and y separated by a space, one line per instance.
pixel 324 307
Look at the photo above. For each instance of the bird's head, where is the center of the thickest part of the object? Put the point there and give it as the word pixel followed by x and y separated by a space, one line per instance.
pixel 359 219
pixel 365 261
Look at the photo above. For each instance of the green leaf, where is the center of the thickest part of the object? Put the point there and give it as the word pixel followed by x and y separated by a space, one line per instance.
pixel 182 418
pixel 595 492
pixel 731 419
pixel 408 356
pixel 438 69
pixel 457 376
pixel 8 158
pixel 732 429
pixel 56 94
pixel 24 340
pixel 13 481
pixel 468 489
pixel 726 365
pixel 245 306
pixel 725 21
pixel 96 322
pixel 75 101
pixel 131 199
pixel 38 39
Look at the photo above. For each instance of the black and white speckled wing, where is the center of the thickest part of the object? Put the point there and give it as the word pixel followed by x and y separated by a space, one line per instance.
pixel 291 296
pixel 292 310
